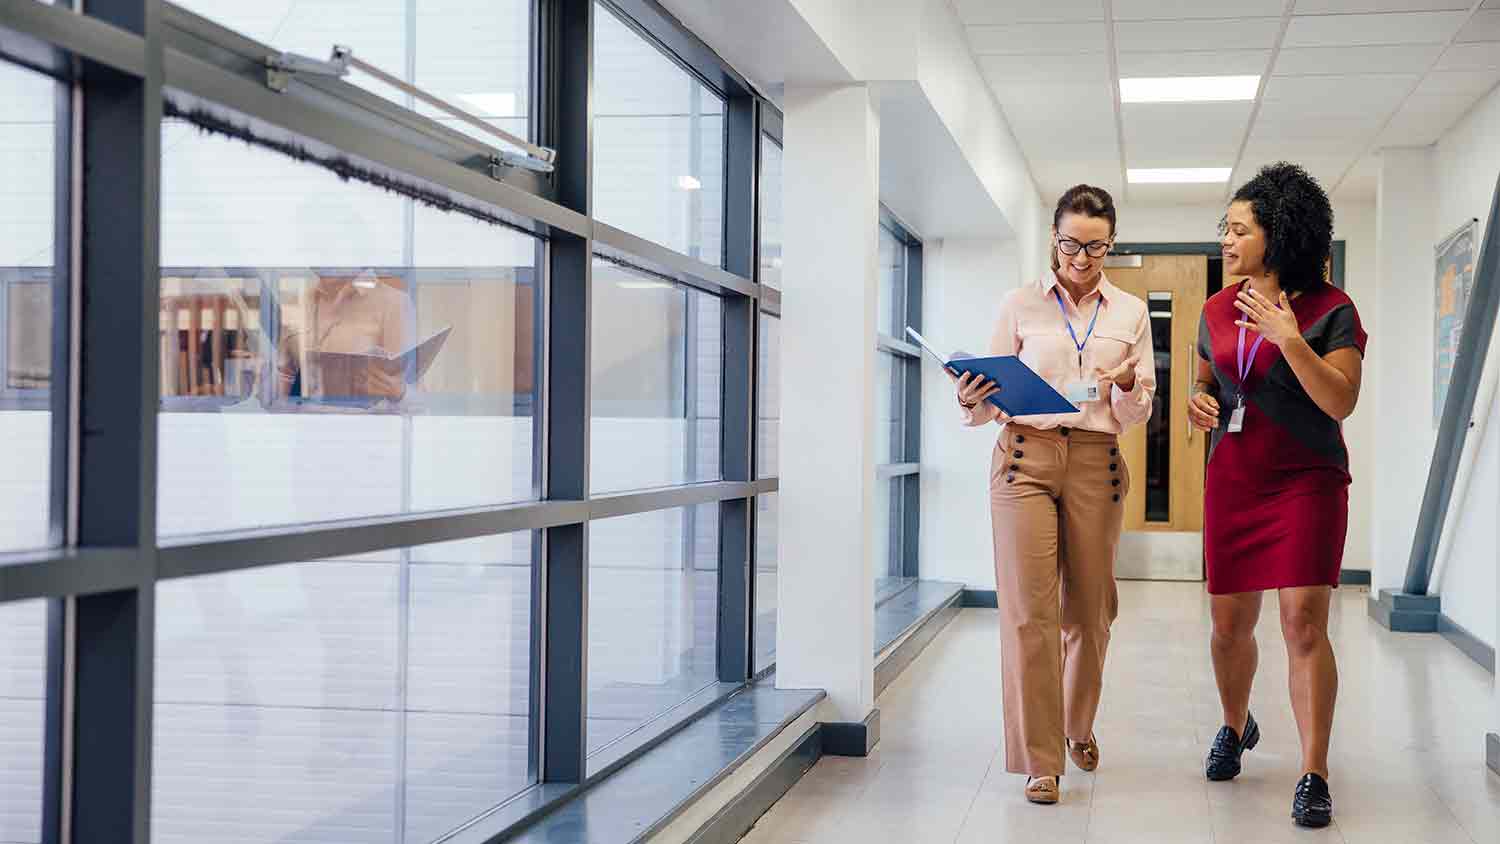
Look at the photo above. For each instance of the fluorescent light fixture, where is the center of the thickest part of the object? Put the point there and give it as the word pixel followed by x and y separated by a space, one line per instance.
pixel 1188 89
pixel 1176 175
pixel 645 285
pixel 492 103
pixel 688 183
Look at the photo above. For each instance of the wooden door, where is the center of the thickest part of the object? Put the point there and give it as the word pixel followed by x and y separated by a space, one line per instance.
pixel 1166 456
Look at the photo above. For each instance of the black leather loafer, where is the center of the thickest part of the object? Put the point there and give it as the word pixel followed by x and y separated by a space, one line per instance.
pixel 1229 746
pixel 1312 806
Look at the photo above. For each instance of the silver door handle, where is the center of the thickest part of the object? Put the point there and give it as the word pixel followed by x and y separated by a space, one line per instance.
pixel 1190 384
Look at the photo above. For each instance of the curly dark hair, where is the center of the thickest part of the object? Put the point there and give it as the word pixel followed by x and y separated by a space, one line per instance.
pixel 1298 218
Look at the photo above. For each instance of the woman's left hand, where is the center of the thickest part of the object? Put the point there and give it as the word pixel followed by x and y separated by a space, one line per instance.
pixel 1275 322
pixel 1122 376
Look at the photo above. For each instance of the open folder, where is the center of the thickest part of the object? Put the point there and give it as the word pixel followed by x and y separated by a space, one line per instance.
pixel 1022 391
pixel 340 368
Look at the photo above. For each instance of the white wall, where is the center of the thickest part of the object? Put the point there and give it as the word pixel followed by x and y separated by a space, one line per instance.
pixel 962 285
pixel 1354 223
pixel 1465 164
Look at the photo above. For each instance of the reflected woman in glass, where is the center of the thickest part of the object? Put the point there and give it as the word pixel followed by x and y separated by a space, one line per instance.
pixel 346 316
pixel 1281 355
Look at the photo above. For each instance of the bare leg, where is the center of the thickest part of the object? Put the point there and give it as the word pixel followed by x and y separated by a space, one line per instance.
pixel 1235 653
pixel 1312 672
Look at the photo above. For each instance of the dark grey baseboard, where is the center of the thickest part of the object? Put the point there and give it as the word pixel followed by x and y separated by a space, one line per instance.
pixel 745 810
pixel 1402 613
pixel 1467 642
pixel 1492 752
pixel 1354 577
pixel 842 738
pixel 980 599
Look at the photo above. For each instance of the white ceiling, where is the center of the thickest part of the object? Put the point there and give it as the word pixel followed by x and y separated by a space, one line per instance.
pixel 1340 80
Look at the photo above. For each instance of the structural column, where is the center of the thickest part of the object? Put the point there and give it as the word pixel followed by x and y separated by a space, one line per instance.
pixel 825 632
pixel 1400 364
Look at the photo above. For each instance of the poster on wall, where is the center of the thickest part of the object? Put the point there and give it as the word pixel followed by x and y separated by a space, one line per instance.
pixel 1455 281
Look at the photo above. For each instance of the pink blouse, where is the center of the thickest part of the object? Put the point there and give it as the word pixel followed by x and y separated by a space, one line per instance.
pixel 1031 326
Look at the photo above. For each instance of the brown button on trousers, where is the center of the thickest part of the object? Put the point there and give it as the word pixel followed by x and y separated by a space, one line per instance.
pixel 1057 505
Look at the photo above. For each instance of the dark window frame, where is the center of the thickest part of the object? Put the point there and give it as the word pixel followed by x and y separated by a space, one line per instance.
pixel 102 571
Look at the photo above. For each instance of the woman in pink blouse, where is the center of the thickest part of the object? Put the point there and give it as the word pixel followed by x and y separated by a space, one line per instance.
pixel 1057 487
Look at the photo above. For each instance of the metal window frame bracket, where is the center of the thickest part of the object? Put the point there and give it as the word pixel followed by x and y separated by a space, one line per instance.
pixel 282 67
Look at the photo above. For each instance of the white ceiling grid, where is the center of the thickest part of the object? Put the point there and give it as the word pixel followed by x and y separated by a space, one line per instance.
pixel 1342 78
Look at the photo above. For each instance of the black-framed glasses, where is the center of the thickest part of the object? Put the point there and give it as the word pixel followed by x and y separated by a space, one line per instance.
pixel 1094 248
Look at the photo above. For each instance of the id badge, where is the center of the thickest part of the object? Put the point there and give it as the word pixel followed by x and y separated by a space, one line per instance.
pixel 1237 419
pixel 1079 392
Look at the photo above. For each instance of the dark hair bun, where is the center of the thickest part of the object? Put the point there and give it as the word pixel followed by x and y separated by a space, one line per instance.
pixel 1088 201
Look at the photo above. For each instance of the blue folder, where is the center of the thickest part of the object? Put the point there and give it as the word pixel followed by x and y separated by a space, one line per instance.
pixel 1022 391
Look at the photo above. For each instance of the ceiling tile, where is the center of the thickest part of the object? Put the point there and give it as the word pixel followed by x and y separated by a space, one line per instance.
pixel 1194 63
pixel 1484 26
pixel 1029 11
pixel 1362 182
pixel 1422 120
pixel 1055 177
pixel 1322 129
pixel 1358 30
pixel 1173 118
pixel 1149 36
pixel 1344 7
pixel 1478 56
pixel 1302 147
pixel 1163 10
pixel 1491 4
pixel 1179 195
pixel 1072 100
pixel 1218 151
pixel 1458 82
pixel 1394 58
pixel 1037 38
pixel 1079 67
pixel 1355 95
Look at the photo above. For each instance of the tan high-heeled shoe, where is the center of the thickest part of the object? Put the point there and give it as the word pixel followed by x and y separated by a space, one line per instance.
pixel 1085 754
pixel 1043 790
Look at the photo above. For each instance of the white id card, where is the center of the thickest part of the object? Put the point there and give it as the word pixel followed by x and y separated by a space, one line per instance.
pixel 1237 420
pixel 1082 391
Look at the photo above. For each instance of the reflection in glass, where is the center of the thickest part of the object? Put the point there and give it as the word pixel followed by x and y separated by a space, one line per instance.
pixel 378 698
pixel 890 407
pixel 888 528
pixel 767 510
pixel 659 144
pixel 27 238
pixel 474 54
pixel 892 295
pixel 768 385
pixel 771 157
pixel 657 355
pixel 1159 426
pixel 23 689
pixel 653 617
pixel 330 350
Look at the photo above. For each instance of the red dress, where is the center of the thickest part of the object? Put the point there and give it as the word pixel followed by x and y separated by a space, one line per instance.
pixel 1276 500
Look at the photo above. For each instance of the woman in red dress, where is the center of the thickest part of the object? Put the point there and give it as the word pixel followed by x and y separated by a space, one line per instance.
pixel 1279 369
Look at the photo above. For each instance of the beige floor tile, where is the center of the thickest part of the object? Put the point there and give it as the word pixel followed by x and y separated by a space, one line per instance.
pixel 1406 758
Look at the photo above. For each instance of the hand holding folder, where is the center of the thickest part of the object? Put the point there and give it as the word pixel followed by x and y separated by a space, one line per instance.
pixel 1022 391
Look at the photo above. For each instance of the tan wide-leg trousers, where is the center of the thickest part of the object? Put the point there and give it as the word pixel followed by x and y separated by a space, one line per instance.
pixel 1057 504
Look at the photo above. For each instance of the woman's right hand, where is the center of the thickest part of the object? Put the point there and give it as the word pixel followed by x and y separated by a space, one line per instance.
pixel 971 389
pixel 1203 412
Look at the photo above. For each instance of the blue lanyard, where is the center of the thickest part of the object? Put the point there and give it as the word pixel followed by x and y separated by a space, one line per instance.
pixel 1069 323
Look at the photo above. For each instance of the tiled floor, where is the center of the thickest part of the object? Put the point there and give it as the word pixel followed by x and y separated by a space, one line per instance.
pixel 1408 762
